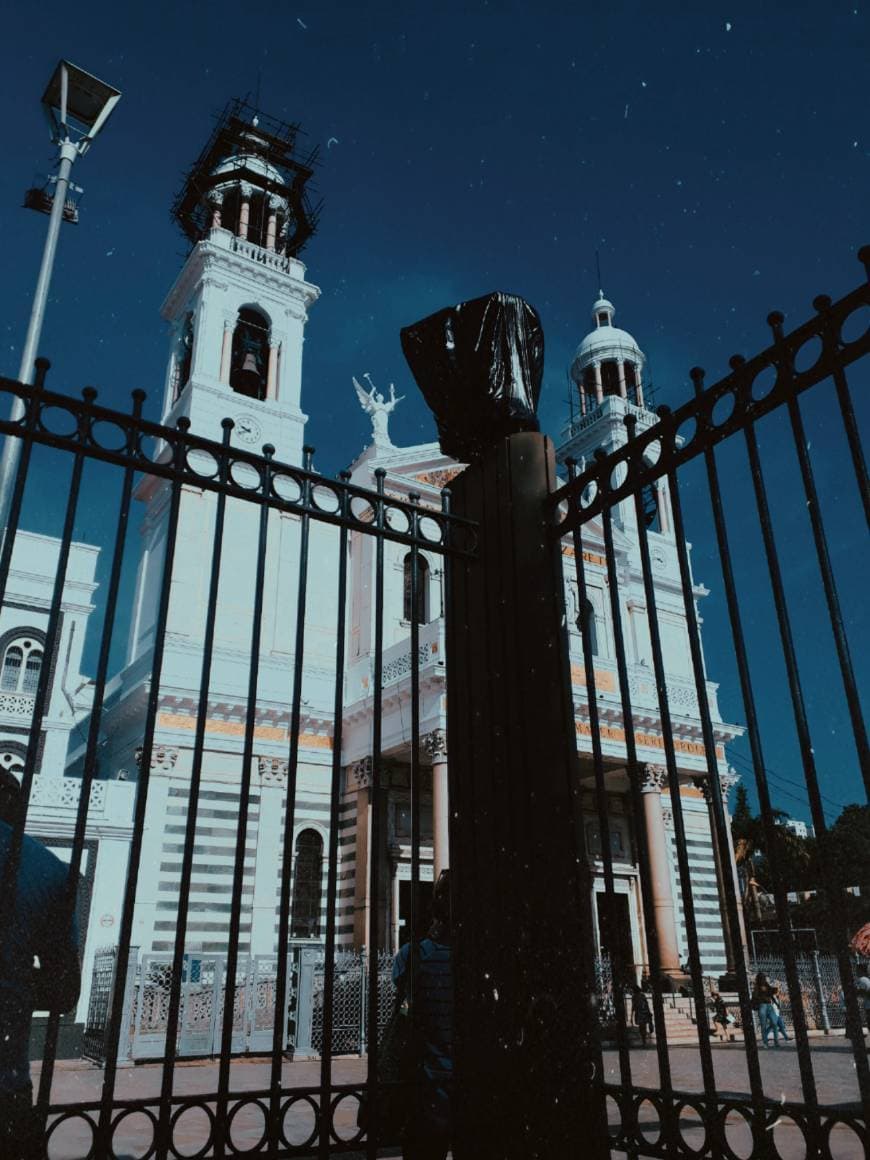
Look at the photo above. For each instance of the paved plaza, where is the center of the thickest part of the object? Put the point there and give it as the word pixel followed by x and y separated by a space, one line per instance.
pixel 832 1061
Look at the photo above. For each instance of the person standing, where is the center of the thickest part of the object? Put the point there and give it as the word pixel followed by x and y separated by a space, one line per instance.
pixel 720 1016
pixel 427 1136
pixel 762 1001
pixel 778 1022
pixel 35 928
pixel 641 1015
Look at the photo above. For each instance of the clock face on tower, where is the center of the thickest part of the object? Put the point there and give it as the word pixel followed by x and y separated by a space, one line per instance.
pixel 247 429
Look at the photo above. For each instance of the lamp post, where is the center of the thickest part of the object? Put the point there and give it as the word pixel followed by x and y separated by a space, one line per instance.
pixel 77 106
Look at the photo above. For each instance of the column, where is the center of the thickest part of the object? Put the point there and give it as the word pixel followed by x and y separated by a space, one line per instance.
pixel 727 781
pixel 264 906
pixel 582 399
pixel 599 392
pixel 244 214
pixel 662 505
pixel 654 781
pixel 703 784
pixel 638 377
pixel 272 372
pixel 620 367
pixel 216 205
pixel 435 745
pixel 226 350
pixel 271 228
pixel 360 776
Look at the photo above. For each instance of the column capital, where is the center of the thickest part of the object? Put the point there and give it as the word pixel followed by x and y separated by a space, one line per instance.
pixel 655 779
pixel 360 773
pixel 273 770
pixel 727 781
pixel 434 745
pixel 703 784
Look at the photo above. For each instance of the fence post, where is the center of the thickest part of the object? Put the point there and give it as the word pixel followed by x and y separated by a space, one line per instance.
pixel 527 1065
pixel 820 991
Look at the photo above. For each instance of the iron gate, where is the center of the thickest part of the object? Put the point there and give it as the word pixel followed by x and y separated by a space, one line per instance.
pixel 337 719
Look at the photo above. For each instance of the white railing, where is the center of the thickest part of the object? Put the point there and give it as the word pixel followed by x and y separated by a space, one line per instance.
pixel 17 704
pixel 63 793
pixel 261 255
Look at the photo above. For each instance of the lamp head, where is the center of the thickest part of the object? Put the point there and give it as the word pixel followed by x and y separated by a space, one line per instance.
pixel 79 102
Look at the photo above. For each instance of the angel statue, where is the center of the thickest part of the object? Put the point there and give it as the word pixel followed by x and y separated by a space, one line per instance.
pixel 374 404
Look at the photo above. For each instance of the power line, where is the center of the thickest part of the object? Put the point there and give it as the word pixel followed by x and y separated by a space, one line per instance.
pixel 750 768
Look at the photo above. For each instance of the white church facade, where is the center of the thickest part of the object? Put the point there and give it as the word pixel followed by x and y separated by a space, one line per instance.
pixel 237 315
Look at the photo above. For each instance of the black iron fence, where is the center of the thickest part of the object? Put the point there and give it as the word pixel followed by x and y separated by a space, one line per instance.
pixel 267 695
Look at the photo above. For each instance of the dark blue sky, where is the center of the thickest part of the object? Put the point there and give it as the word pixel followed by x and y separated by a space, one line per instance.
pixel 716 155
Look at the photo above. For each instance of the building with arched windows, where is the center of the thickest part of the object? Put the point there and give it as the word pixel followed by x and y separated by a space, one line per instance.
pixel 236 315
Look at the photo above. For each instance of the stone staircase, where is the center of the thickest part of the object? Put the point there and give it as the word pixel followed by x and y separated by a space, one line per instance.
pixel 680 1026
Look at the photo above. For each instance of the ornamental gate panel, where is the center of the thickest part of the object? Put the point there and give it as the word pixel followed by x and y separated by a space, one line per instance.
pixel 275 698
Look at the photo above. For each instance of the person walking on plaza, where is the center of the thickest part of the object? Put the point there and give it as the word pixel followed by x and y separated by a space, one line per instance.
pixel 720 1016
pixel 763 995
pixel 427 1136
pixel 35 928
pixel 641 1015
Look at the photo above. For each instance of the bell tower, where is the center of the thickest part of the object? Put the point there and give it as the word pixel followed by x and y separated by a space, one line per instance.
pixel 607 374
pixel 239 306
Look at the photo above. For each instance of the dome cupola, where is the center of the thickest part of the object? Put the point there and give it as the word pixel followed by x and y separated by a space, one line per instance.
pixel 608 361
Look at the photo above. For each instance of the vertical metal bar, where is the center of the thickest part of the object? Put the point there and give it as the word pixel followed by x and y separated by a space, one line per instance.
pixel 334 806
pixel 821 544
pixel 375 811
pixel 221 1119
pixel 832 888
pixel 89 771
pixel 722 834
pixel 688 900
pixel 32 401
pixel 633 772
pixel 279 1027
pixel 600 789
pixel 759 768
pixel 413 959
pixel 167 1077
pixel 103 1136
pixel 853 438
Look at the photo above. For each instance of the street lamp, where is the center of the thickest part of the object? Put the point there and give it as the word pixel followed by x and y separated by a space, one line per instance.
pixel 77 106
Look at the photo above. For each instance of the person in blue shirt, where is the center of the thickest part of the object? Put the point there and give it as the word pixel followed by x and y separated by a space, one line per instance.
pixel 427 1136
pixel 36 927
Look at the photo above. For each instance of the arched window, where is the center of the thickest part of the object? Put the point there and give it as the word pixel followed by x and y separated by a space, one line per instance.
pixel 422 610
pixel 21 665
pixel 586 623
pixel 184 355
pixel 307 888
pixel 250 354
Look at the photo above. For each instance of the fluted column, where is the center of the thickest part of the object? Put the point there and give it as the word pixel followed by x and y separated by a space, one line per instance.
pixel 435 745
pixel 654 780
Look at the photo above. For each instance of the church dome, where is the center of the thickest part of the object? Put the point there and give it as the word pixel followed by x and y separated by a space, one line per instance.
pixel 605 342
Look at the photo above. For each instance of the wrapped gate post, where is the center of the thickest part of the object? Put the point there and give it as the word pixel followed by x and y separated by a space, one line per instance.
pixel 527 1066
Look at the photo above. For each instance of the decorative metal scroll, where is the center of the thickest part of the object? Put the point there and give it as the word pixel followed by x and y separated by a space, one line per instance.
pixel 82 425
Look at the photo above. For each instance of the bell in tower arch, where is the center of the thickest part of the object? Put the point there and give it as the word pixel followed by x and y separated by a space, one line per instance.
pixel 250 354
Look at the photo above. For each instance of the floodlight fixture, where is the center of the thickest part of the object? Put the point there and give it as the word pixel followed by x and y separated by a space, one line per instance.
pixel 77 105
